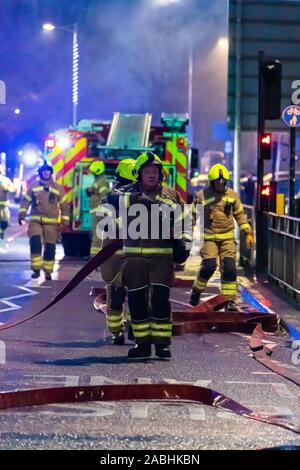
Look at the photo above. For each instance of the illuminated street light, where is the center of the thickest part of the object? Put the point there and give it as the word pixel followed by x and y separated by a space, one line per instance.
pixel 48 27
pixel 17 111
pixel 223 43
pixel 30 155
pixel 75 68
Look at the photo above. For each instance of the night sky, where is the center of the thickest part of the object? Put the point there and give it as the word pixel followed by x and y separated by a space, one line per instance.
pixel 133 59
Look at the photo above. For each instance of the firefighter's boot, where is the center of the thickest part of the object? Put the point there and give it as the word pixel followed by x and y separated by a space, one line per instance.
pixel 195 297
pixel 48 276
pixel 163 351
pixel 118 338
pixel 140 350
pixel 35 274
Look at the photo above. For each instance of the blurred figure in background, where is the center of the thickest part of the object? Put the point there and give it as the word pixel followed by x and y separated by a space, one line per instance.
pixel 6 187
pixel 97 193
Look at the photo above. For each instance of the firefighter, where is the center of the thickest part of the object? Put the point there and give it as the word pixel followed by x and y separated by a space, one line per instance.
pixel 221 206
pixel 97 193
pixel 148 269
pixel 5 187
pixel 49 213
pixel 115 296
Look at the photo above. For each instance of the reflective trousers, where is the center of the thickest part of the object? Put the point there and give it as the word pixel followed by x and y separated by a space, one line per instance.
pixel 226 251
pixel 148 280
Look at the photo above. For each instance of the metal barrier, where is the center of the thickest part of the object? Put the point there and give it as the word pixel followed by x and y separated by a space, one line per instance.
pixel 284 250
pixel 248 256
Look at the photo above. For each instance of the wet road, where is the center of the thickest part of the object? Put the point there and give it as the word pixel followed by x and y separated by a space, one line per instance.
pixel 69 345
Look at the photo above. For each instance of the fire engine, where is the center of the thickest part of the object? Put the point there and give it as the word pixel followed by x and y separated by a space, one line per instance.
pixel 71 151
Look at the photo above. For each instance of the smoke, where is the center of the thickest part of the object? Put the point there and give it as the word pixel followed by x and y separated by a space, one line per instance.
pixel 134 57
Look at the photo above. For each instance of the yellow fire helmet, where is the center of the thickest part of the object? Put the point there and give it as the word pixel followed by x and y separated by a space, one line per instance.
pixel 97 167
pixel 145 159
pixel 124 170
pixel 218 171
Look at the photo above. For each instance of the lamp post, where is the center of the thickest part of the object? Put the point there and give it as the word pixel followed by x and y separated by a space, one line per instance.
pixel 74 30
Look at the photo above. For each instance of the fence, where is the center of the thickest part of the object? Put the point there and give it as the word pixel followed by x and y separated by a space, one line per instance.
pixel 284 250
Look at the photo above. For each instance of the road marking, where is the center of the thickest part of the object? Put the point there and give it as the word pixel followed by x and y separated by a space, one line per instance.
pixel 13 306
pixel 101 380
pixel 199 383
pixel 69 409
pixel 35 283
pixel 143 380
pixel 68 380
pixel 263 373
pixel 248 382
pixel 283 391
pixel 139 410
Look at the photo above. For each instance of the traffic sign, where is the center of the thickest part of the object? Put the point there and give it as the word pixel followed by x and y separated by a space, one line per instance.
pixel 291 115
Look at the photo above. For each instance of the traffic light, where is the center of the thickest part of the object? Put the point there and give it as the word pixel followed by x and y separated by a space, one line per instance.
pixel 264 198
pixel 267 197
pixel 271 74
pixel 265 145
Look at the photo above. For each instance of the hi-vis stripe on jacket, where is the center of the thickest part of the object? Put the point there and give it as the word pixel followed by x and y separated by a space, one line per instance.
pixel 47 201
pixel 220 210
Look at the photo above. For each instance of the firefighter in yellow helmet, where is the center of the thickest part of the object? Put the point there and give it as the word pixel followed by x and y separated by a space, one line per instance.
pixel 221 206
pixel 49 209
pixel 115 296
pixel 6 187
pixel 148 269
pixel 97 192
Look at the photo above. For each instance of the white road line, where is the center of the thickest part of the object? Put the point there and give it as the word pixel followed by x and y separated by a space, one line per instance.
pixel 101 380
pixel 143 380
pixel 65 380
pixel 263 373
pixel 139 410
pixel 283 391
pixel 13 306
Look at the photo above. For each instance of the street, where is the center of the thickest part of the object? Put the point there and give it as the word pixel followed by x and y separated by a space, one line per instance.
pixel 69 345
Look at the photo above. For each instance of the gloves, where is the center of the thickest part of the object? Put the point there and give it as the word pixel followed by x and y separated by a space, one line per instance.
pixel 21 219
pixel 249 241
pixel 180 252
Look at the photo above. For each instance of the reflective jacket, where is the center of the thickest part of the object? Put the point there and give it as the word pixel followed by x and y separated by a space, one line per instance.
pixel 98 191
pixel 104 212
pixel 6 186
pixel 152 240
pixel 220 210
pixel 48 203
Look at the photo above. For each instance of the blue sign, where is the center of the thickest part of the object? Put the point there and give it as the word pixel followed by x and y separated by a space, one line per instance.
pixel 221 131
pixel 291 116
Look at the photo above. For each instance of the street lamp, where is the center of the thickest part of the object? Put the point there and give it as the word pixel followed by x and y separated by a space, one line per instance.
pixel 223 42
pixel 74 31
